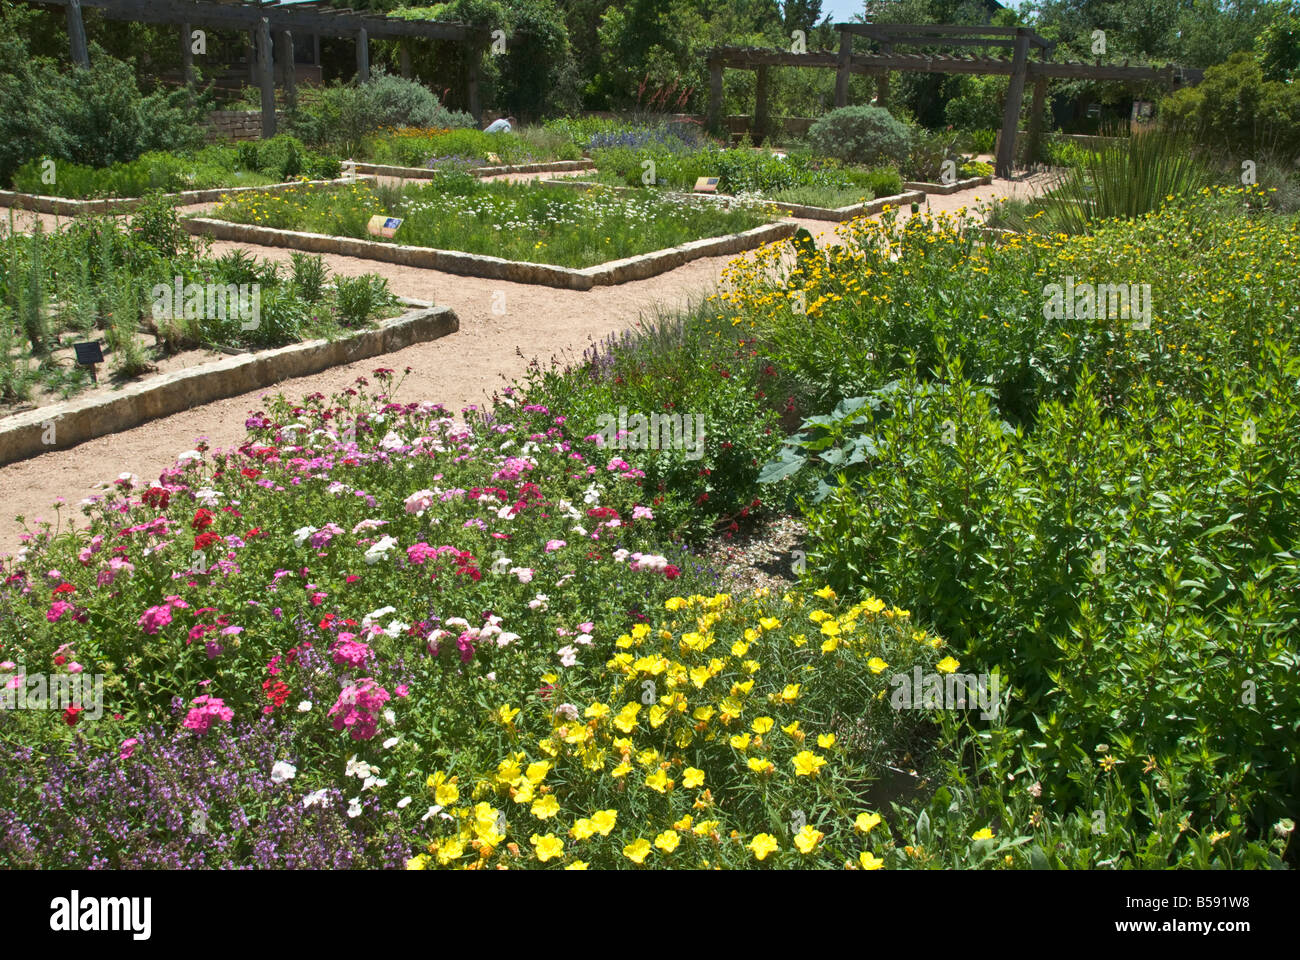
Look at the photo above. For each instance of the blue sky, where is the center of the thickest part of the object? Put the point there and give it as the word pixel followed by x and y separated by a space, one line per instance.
pixel 842 10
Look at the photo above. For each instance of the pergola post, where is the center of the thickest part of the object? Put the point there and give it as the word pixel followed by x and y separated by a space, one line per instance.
pixel 363 56
pixel 842 66
pixel 1036 118
pixel 760 104
pixel 266 77
pixel 1011 111
pixel 288 71
pixel 187 54
pixel 404 58
pixel 882 81
pixel 77 34
pixel 713 120
pixel 471 86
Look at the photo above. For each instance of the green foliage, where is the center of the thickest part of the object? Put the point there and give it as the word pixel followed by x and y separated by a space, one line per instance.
pixel 362 297
pixel 1237 108
pixel 866 135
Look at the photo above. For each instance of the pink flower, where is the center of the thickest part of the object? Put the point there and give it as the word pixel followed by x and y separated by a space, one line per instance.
pixel 642 513
pixel 205 711
pixel 155 618
pixel 357 708
pixel 349 652
pixel 127 748
pixel 418 553
pixel 57 609
pixel 75 667
pixel 553 545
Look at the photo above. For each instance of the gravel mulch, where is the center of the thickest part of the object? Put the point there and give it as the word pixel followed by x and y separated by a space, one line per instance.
pixel 768 554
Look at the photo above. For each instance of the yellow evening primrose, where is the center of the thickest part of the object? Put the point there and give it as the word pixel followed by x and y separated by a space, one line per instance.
pixel 506 714
pixel 769 623
pixel 759 764
pixel 731 709
pixel 418 862
pixel 546 807
pixel 982 834
pixel 637 850
pixel 825 740
pixel 658 781
pixel 762 845
pixel 676 603
pixel 449 850
pixel 866 822
pixel 740 741
pixel 582 829
pixel 762 725
pixel 826 593
pixel 692 777
pixel 876 665
pixel 700 676
pixel 870 862
pixel 548 846
pixel 604 820
pixel 790 694
pixel 874 605
pixel 739 649
pixel 806 763
pixel 947 665
pixel 596 710
pixel 538 770
pixel 808 838
pixel 577 865
pixel 626 719
pixel 622 770
pixel 668 840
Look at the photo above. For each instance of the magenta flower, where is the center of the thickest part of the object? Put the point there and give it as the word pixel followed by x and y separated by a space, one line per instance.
pixel 155 618
pixel 205 712
pixel 357 708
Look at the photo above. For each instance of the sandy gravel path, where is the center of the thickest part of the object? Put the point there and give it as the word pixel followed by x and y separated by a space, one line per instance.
pixel 489 351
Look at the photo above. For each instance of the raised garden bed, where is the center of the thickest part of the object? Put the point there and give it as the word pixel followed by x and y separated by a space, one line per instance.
pixel 946 188
pixel 62 425
pixel 424 173
pixel 64 206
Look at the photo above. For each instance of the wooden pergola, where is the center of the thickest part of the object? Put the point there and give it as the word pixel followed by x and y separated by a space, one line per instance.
pixel 1019 41
pixel 265 19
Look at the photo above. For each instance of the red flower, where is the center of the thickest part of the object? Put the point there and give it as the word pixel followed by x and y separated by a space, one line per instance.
pixel 202 519
pixel 671 572
pixel 250 473
pixel 205 540
pixel 255 532
pixel 156 497
pixel 72 715
pixel 64 588
pixel 60 660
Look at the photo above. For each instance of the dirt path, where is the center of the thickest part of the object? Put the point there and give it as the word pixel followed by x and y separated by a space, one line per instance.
pixel 490 350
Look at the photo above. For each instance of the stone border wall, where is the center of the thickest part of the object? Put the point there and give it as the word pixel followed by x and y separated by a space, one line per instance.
pixel 76 421
pixel 71 208
pixel 496 268
pixel 947 188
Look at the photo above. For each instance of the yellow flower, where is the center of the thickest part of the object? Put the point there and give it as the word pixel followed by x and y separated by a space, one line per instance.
pixel 825 740
pixel 869 862
pixel 692 777
pixel 947 665
pixel 548 846
pixel 808 838
pixel 826 593
pixel 418 862
pixel 577 865
pixel 449 850
pixel 762 845
pixel 622 770
pixel 769 623
pixel 740 741
pixel 546 807
pixel 806 763
pixel 761 725
pixel 874 605
pixel 582 829
pixel 668 840
pixel 626 719
pixel 984 833
pixel 604 820
pixel 537 771
pixel 596 710
pixel 637 850
pixel 506 714
pixel 759 764
pixel 658 781
pixel 866 822
pixel 790 694
pixel 676 603
pixel 876 665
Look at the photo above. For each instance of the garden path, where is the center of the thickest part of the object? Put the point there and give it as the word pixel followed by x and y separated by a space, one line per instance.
pixel 488 352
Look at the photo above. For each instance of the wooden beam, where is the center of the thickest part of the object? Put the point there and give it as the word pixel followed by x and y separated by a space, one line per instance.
pixel 882 82
pixel 714 117
pixel 363 55
pixel 266 77
pixel 471 86
pixel 404 57
pixel 77 34
pixel 760 105
pixel 1011 110
pixel 843 65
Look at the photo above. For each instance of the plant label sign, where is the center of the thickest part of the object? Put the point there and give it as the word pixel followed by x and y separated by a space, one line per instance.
pixel 381 226
pixel 706 185
pixel 89 354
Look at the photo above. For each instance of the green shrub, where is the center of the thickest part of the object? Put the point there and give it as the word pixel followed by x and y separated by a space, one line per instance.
pixel 1236 108
pixel 866 135
pixel 359 298
pixel 342 116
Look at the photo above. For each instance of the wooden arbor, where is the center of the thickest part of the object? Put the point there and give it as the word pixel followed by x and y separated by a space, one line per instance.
pixel 1019 41
pixel 265 19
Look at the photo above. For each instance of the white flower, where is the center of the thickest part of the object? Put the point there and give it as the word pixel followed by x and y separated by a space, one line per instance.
pixel 207 496
pixel 302 535
pixel 568 655
pixel 506 638
pixel 391 742
pixel 539 602
pixel 373 783
pixel 282 771
pixel 582 638
pixel 458 622
pixel 379 550
pixel 374 615
pixel 188 455
pixel 506 512
pixel 620 555
pixel 492 676
pixel 390 716
pixel 403 803
pixel 567 710
pixel 316 798
pixel 579 529
pixel 356 769
pixel 433 812
pixel 304 706
pixel 525 574
pixel 501 564
pixel 592 494
pixel 354 807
